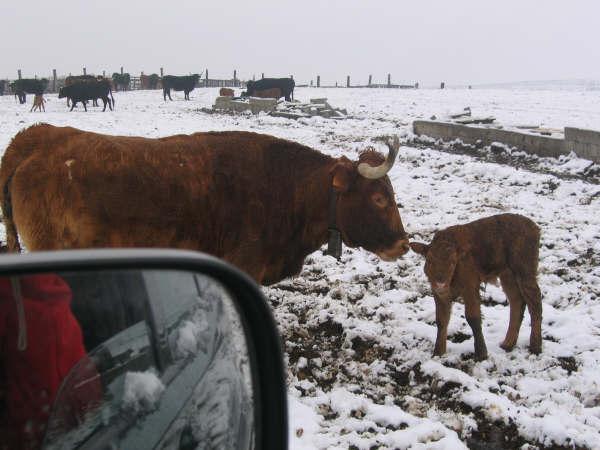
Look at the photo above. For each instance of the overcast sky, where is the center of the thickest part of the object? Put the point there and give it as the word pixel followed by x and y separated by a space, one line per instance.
pixel 456 41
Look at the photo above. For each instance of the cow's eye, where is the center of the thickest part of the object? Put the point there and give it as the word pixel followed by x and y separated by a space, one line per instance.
pixel 380 200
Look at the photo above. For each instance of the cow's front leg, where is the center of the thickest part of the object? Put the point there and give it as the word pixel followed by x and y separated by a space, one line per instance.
pixel 443 309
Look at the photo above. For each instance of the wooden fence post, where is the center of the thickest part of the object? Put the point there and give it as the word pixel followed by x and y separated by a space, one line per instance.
pixel 19 72
pixel 104 74
pixel 84 71
pixel 318 80
pixel 389 80
pixel 370 79
pixel 53 80
pixel 442 85
pixel 161 72
pixel 234 78
pixel 262 76
pixel 417 85
pixel 348 81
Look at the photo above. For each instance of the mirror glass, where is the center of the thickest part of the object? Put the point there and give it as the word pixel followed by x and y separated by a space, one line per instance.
pixel 123 359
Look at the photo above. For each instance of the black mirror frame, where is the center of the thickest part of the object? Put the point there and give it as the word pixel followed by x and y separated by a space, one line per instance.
pixel 269 372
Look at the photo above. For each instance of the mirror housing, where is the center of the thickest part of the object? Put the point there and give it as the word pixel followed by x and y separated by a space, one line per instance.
pixel 263 341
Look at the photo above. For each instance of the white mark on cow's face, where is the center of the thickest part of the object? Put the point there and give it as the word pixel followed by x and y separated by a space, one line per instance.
pixel 69 163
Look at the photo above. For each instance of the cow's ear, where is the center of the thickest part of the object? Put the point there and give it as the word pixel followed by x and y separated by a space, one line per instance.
pixel 419 247
pixel 342 175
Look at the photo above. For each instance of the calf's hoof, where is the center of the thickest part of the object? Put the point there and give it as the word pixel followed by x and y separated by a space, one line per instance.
pixel 535 349
pixel 438 352
pixel 481 356
pixel 507 346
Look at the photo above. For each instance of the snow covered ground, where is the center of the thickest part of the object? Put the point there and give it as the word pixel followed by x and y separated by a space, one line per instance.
pixel 359 333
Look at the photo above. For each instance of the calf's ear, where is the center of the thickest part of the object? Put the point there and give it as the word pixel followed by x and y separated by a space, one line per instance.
pixel 419 247
pixel 342 175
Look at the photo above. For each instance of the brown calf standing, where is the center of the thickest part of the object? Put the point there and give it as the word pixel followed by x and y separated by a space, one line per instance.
pixel 462 256
pixel 226 92
pixel 38 103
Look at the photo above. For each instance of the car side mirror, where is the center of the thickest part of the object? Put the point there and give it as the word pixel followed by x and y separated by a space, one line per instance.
pixel 137 349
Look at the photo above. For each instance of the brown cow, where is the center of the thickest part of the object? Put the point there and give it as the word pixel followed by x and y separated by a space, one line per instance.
pixel 268 93
pixel 263 209
pixel 462 256
pixel 38 103
pixel 226 92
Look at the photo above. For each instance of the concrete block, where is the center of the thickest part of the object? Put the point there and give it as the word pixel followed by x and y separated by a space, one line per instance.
pixel 262 104
pixel 585 143
pixel 238 106
pixel 222 103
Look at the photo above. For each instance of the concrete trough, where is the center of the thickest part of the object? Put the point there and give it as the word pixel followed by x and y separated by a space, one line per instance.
pixel 585 143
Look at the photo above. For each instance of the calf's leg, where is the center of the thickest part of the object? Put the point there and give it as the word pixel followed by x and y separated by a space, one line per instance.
pixel 442 317
pixel 533 297
pixel 517 309
pixel 473 316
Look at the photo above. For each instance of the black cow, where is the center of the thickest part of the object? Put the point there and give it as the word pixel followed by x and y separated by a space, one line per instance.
pixel 88 90
pixel 185 83
pixel 285 84
pixel 72 79
pixel 25 86
pixel 121 81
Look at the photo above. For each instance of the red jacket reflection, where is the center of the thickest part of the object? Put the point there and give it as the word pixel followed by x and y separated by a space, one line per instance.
pixel 33 376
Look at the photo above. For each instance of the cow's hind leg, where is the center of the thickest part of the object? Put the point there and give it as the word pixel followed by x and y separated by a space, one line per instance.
pixel 517 309
pixel 73 103
pixel 533 298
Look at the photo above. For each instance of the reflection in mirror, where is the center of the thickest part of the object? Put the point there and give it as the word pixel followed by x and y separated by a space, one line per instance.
pixel 123 359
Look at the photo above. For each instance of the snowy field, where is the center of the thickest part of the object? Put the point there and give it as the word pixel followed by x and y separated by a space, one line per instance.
pixel 359 333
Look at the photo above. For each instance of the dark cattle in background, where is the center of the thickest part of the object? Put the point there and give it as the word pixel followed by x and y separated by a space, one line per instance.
pixel 285 84
pixel 2 85
pixel 28 86
pixel 149 81
pixel 88 90
pixel 269 93
pixel 185 83
pixel 121 81
pixel 200 192
pixel 72 79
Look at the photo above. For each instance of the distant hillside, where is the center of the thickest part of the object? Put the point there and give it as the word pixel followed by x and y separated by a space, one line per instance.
pixel 552 85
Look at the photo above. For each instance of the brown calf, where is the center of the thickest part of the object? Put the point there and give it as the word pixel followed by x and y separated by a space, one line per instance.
pixel 226 92
pixel 462 256
pixel 38 103
pixel 268 93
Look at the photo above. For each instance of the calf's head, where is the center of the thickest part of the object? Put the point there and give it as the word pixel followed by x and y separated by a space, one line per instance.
pixel 366 213
pixel 441 257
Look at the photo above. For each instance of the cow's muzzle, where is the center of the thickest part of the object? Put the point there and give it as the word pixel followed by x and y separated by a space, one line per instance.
pixel 395 251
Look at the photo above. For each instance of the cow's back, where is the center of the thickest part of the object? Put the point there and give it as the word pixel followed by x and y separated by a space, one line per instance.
pixel 207 191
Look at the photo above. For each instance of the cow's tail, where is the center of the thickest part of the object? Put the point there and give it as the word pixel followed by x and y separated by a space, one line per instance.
pixel 12 237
